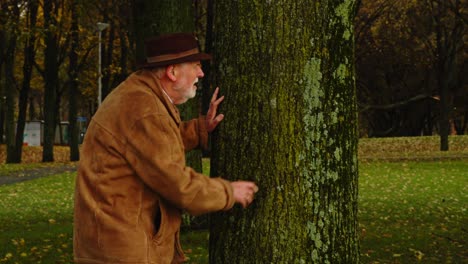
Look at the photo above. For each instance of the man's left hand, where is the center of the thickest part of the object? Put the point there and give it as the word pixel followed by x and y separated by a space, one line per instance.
pixel 212 120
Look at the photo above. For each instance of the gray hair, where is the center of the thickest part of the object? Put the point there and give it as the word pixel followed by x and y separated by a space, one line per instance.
pixel 159 71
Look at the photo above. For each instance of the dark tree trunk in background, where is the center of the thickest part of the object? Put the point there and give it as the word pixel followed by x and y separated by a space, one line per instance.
pixel 124 12
pixel 50 79
pixel 74 85
pixel 153 18
pixel 29 57
pixel 10 97
pixel 449 32
pixel 9 80
pixel 443 83
pixel 107 50
pixel 286 69
pixel 3 18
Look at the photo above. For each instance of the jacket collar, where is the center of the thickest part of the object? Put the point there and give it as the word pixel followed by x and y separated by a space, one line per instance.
pixel 155 85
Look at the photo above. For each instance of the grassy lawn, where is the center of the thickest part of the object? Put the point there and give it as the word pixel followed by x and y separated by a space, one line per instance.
pixel 36 219
pixel 411 210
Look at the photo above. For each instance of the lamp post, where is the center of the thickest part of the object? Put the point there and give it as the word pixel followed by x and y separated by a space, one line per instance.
pixel 100 27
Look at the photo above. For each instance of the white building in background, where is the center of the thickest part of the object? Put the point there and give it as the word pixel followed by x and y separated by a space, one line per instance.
pixel 34 132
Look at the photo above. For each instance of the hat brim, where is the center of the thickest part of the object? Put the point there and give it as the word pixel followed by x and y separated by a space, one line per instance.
pixel 190 58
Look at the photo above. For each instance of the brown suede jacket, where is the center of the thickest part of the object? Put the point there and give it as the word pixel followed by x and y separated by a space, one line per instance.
pixel 132 181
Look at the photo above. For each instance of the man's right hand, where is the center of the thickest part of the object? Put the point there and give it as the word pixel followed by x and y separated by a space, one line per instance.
pixel 244 192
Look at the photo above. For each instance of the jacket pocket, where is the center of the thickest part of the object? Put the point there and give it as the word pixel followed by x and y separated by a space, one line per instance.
pixel 166 223
pixel 165 238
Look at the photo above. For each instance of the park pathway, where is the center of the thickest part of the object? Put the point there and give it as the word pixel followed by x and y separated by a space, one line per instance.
pixel 11 177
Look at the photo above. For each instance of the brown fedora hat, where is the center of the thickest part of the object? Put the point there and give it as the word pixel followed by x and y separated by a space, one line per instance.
pixel 172 49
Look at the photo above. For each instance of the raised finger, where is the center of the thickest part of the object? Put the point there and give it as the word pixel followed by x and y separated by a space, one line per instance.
pixel 215 94
pixel 214 104
pixel 214 107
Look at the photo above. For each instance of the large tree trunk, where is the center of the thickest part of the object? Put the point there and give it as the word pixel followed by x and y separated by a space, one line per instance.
pixel 50 80
pixel 74 85
pixel 286 69
pixel 153 18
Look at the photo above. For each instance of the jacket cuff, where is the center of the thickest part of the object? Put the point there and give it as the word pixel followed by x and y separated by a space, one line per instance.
pixel 202 132
pixel 229 194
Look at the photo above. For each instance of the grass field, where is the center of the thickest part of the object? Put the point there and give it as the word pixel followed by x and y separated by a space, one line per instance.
pixel 412 209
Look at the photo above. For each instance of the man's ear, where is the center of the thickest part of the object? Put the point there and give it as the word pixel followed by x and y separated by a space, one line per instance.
pixel 170 73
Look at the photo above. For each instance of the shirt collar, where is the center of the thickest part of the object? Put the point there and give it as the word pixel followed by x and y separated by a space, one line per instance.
pixel 164 91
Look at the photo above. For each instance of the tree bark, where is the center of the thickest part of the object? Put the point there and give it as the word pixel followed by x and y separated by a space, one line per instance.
pixel 286 69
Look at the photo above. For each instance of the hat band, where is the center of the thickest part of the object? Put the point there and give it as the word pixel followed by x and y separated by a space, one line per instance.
pixel 173 56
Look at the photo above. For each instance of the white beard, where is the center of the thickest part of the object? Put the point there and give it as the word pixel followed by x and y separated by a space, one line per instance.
pixel 193 92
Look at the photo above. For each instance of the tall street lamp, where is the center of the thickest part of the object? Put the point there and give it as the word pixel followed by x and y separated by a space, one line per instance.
pixel 100 27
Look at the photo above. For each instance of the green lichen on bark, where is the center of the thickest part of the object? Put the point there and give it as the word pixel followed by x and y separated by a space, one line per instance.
pixel 343 11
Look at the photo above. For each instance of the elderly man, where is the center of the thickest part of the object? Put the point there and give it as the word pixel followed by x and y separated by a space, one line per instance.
pixel 132 182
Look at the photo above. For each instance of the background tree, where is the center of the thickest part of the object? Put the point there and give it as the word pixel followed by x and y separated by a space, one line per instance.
pixel 286 68
pixel 51 77
pixel 3 19
pixel 205 28
pixel 28 64
pixel 153 18
pixel 74 83
pixel 116 53
pixel 397 76
pixel 10 85
pixel 394 91
pixel 449 28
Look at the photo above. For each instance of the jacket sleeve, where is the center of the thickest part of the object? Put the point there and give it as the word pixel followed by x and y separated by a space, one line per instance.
pixel 194 133
pixel 156 154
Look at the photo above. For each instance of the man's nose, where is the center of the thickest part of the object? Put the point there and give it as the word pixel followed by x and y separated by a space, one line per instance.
pixel 200 74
